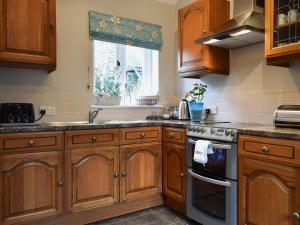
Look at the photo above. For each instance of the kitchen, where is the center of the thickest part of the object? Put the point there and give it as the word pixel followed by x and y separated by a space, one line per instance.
pixel 62 143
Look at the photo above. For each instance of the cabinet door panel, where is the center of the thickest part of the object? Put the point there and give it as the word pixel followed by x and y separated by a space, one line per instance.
pixel 28 32
pixel 268 193
pixel 140 170
pixel 32 187
pixel 192 54
pixel 174 172
pixel 94 177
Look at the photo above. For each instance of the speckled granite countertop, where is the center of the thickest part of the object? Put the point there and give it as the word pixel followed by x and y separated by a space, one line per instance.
pixel 65 126
pixel 246 129
pixel 271 131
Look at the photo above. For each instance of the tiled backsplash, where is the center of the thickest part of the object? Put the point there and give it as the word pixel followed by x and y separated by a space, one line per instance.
pixel 253 90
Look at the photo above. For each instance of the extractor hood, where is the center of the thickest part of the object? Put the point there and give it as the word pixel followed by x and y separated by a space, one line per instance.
pixel 246 28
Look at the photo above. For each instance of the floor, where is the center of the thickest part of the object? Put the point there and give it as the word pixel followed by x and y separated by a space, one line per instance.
pixel 154 216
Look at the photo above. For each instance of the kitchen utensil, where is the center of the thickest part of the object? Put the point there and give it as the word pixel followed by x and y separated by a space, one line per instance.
pixel 287 116
pixel 183 111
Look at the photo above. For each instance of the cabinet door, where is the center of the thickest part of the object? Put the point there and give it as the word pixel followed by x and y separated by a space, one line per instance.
pixel 268 193
pixel 31 187
pixel 140 171
pixel 93 178
pixel 28 33
pixel 174 172
pixel 193 23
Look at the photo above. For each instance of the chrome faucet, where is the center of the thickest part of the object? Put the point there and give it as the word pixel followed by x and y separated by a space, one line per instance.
pixel 93 114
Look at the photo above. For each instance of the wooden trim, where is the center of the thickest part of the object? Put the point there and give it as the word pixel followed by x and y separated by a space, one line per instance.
pixel 85 217
pixel 174 135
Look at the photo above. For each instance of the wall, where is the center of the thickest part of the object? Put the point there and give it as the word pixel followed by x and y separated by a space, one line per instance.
pixel 252 91
pixel 66 88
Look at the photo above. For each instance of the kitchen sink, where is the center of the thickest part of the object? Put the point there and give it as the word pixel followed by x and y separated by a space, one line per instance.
pixel 69 123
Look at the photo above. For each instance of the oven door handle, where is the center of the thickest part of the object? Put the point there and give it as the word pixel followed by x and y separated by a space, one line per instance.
pixel 209 180
pixel 214 145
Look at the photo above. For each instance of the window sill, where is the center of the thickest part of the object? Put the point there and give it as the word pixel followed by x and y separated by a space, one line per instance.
pixel 128 107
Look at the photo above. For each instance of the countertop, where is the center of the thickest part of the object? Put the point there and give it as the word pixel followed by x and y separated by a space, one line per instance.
pixel 245 129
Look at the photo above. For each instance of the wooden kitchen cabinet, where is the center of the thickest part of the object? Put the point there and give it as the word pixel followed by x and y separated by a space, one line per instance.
pixel 282 40
pixel 268 181
pixel 268 193
pixel 174 172
pixel 28 34
pixel 174 186
pixel 31 187
pixel 93 178
pixel 140 170
pixel 194 21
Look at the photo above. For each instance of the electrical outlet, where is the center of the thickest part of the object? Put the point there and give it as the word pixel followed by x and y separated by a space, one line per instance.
pixel 50 110
pixel 213 109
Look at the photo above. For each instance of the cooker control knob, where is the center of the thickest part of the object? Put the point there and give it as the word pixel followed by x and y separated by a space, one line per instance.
pixel 213 131
pixel 194 129
pixel 199 129
pixel 227 132
pixel 232 133
pixel 202 130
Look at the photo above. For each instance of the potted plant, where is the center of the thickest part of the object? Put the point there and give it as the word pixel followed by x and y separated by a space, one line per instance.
pixel 108 88
pixel 194 98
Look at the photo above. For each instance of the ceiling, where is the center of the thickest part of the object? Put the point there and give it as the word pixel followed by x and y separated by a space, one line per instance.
pixel 171 2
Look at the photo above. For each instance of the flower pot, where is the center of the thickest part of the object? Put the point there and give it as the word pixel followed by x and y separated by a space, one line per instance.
pixel 196 110
pixel 107 100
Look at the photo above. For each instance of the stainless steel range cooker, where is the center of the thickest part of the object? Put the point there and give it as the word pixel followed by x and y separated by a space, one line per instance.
pixel 212 189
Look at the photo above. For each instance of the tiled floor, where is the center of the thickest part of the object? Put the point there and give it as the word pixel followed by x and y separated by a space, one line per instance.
pixel 155 216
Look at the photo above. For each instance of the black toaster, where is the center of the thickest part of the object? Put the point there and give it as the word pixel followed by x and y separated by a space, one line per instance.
pixel 17 113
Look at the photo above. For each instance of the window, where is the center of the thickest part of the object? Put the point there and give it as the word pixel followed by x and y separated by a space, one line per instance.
pixel 124 70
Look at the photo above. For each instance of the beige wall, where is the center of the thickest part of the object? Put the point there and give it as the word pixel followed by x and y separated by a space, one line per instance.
pixel 66 88
pixel 253 90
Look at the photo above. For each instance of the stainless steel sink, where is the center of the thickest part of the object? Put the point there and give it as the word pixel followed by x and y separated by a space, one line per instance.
pixel 69 123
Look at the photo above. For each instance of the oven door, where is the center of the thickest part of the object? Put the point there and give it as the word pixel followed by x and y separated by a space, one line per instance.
pixel 211 201
pixel 222 163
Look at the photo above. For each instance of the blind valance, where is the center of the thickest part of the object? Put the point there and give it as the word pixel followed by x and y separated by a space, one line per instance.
pixel 120 30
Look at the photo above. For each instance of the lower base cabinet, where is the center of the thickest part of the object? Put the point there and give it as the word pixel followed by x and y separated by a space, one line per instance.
pixel 140 169
pixel 93 178
pixel 174 187
pixel 31 187
pixel 269 193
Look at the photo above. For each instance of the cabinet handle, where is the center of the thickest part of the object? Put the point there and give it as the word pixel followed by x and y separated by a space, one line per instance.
pixel 172 134
pixel 182 175
pixel 204 31
pixel 296 216
pixel 265 149
pixel 124 174
pixel 143 135
pixel 52 25
pixel 31 142
pixel 60 183
pixel 94 138
pixel 116 175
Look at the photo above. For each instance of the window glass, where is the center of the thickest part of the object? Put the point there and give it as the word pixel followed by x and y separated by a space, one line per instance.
pixel 124 70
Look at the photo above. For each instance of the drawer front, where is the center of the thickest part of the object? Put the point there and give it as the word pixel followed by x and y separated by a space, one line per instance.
pixel 92 138
pixel 40 141
pixel 174 135
pixel 270 149
pixel 141 135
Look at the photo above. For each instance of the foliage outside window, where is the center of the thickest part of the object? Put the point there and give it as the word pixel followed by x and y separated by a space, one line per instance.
pixel 126 71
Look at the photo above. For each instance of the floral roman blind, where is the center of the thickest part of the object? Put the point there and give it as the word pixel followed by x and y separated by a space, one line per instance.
pixel 125 31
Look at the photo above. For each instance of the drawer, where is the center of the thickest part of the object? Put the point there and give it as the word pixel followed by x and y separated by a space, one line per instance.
pixel 270 149
pixel 174 135
pixel 141 135
pixel 92 138
pixel 40 141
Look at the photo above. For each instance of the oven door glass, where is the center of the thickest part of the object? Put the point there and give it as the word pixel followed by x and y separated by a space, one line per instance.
pixel 209 195
pixel 216 163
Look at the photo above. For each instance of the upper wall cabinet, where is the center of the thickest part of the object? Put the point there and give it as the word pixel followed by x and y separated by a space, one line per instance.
pixel 28 34
pixel 194 21
pixel 282 41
